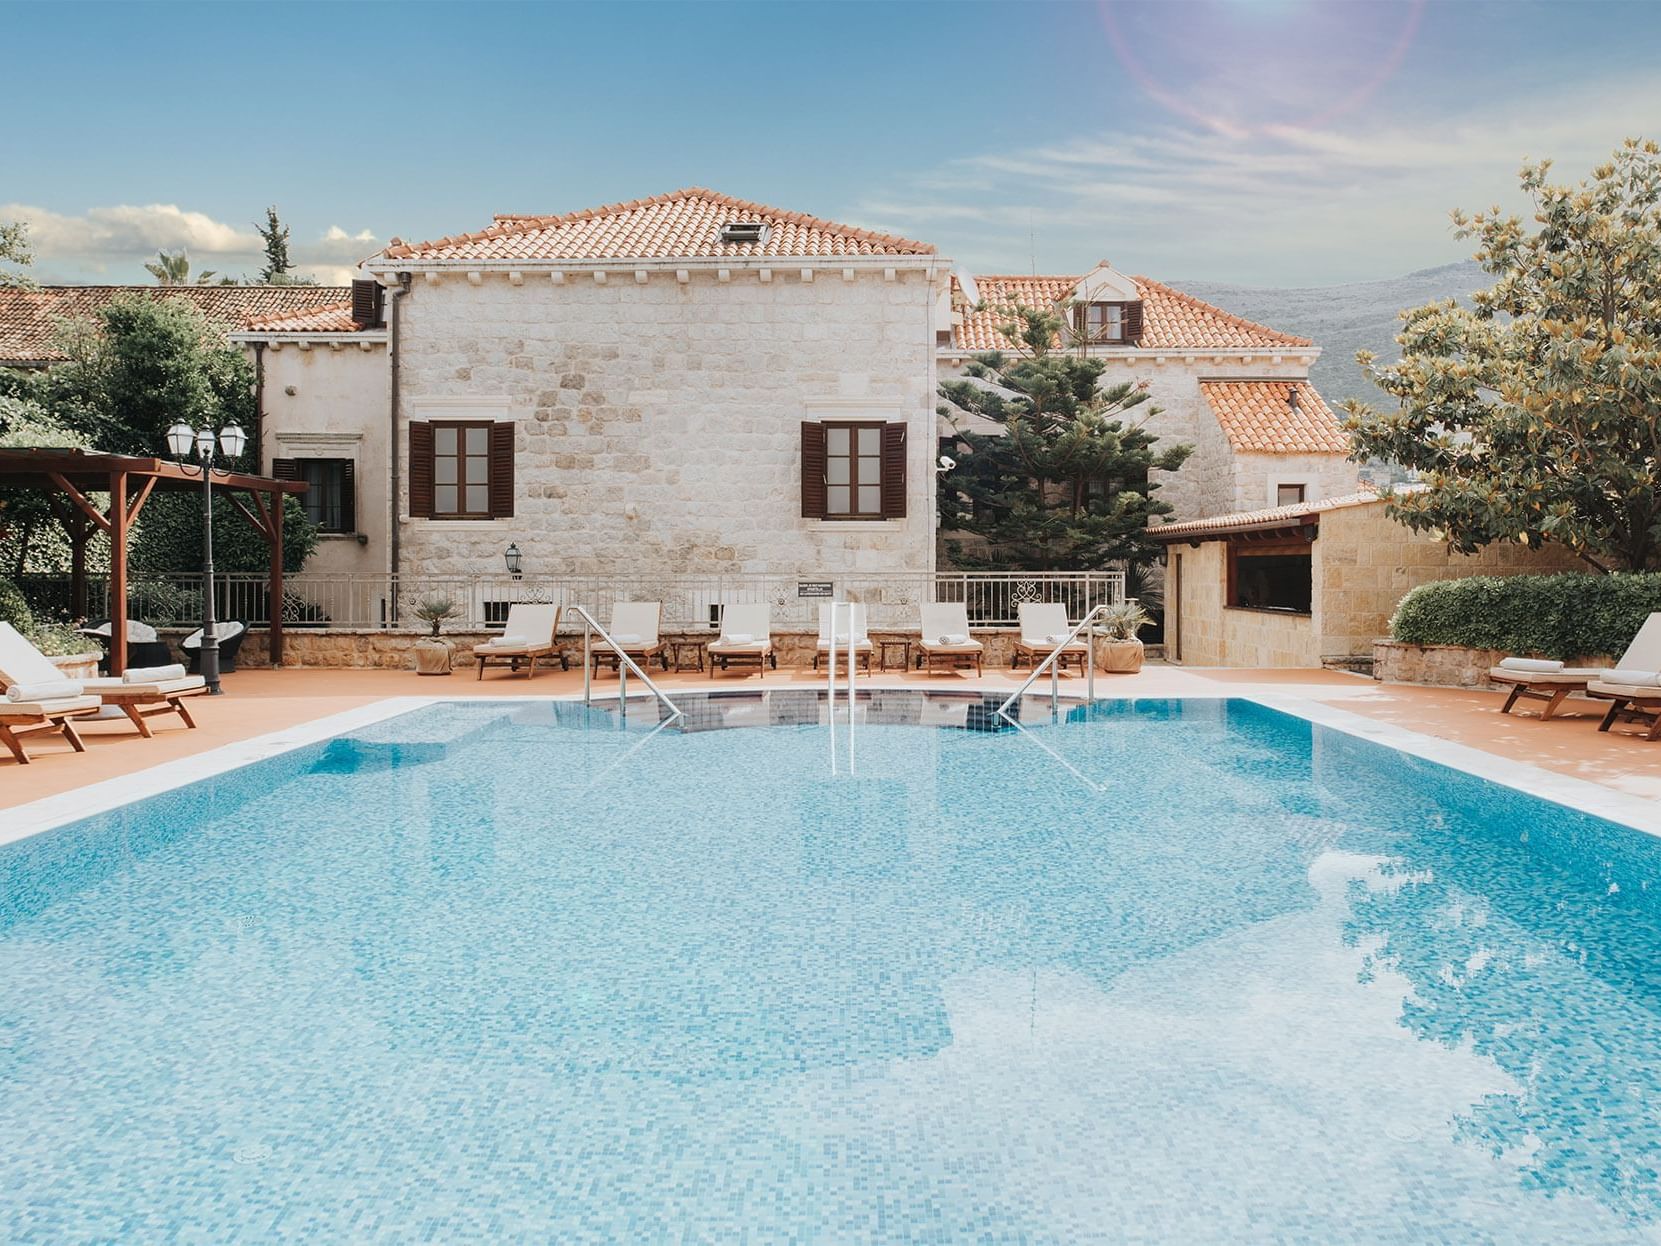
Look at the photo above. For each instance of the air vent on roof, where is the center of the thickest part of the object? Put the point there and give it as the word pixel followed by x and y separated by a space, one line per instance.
pixel 744 231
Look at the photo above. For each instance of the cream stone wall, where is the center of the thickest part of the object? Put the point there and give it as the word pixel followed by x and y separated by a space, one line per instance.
pixel 1212 634
pixel 338 410
pixel 657 424
pixel 1365 562
pixel 1215 480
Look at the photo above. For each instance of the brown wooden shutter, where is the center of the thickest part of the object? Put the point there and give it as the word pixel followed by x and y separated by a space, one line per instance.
pixel 893 471
pixel 367 304
pixel 1133 322
pixel 813 470
pixel 348 496
pixel 421 470
pixel 285 469
pixel 501 470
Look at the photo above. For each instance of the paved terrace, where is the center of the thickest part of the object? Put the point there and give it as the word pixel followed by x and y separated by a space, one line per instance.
pixel 261 701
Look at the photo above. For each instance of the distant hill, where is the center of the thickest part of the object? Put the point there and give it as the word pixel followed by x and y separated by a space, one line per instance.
pixel 1343 319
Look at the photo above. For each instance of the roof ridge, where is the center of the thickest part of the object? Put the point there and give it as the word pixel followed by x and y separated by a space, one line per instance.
pixel 1238 321
pixel 513 226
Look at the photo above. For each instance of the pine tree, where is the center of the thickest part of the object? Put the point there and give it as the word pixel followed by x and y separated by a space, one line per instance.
pixel 277 263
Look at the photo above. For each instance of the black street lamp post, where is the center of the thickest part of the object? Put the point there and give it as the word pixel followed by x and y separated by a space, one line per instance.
pixel 231 441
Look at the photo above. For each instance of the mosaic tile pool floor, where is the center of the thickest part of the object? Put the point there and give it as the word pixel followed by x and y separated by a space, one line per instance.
pixel 1168 971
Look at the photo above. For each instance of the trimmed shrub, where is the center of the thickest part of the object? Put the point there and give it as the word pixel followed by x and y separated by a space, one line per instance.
pixel 1554 616
pixel 14 607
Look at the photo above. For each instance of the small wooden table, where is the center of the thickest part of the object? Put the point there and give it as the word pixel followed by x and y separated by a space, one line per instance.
pixel 902 643
pixel 683 645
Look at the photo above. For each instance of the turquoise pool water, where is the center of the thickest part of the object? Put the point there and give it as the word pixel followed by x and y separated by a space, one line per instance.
pixel 493 971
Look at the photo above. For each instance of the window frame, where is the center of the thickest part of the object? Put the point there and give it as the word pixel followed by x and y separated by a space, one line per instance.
pixel 855 481
pixel 1300 485
pixel 339 465
pixel 1122 333
pixel 461 485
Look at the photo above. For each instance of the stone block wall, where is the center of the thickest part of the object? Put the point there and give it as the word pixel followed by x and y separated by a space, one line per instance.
pixel 657 424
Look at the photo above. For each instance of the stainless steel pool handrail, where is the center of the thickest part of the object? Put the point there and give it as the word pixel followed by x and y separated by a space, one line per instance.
pixel 830 683
pixel 625 664
pixel 1051 664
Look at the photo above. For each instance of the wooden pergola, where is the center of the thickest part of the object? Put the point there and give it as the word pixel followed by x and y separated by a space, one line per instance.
pixel 69 476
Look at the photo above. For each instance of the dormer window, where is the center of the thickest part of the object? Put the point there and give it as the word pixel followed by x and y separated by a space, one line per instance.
pixel 1113 323
pixel 744 232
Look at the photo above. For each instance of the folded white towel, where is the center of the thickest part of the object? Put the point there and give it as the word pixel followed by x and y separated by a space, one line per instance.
pixel 628 638
pixel 516 642
pixel 152 674
pixel 1539 665
pixel 737 638
pixel 1640 679
pixel 954 638
pixel 46 690
pixel 1055 638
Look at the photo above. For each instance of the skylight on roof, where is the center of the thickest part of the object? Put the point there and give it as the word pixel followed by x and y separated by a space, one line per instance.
pixel 744 231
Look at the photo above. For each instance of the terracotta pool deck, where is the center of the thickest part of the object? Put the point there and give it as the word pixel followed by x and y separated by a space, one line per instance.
pixel 261 701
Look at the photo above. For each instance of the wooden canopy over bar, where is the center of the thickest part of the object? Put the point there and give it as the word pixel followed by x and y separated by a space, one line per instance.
pixel 69 476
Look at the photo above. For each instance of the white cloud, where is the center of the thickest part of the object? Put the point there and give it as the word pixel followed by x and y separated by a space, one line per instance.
pixel 1282 206
pixel 115 242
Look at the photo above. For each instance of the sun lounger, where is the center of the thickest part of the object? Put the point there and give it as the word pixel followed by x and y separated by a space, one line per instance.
pixel 746 636
pixel 1043 626
pixel 1551 682
pixel 851 631
pixel 529 634
pixel 634 626
pixel 1633 696
pixel 140 693
pixel 945 638
pixel 50 713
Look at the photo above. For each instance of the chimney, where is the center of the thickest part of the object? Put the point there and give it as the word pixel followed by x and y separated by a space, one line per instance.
pixel 1292 399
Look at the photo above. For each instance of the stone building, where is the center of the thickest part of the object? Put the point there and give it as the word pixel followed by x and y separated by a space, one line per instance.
pixel 1309 584
pixel 1236 391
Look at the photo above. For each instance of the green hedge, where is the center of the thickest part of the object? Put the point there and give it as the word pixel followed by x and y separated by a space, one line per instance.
pixel 1554 616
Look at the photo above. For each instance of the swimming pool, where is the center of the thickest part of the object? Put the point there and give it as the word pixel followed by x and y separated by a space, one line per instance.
pixel 1166 970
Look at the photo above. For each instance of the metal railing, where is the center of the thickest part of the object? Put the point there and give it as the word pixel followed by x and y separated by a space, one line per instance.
pixel 625 664
pixel 830 681
pixel 690 603
pixel 1053 663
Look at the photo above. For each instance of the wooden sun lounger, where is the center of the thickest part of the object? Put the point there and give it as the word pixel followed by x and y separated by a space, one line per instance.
pixel 141 701
pixel 751 620
pixel 639 618
pixel 1552 687
pixel 532 620
pixel 947 618
pixel 1638 703
pixel 1039 621
pixel 861 642
pixel 21 718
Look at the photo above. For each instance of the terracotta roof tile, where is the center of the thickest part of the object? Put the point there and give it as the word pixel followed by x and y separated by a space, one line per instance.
pixel 29 318
pixel 682 224
pixel 1261 417
pixel 1219 524
pixel 335 318
pixel 1171 320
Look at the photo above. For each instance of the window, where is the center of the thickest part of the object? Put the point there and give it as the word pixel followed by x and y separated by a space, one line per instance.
pixel 329 499
pixel 461 469
pixel 1109 322
pixel 1274 577
pixel 1289 495
pixel 853 470
pixel 743 231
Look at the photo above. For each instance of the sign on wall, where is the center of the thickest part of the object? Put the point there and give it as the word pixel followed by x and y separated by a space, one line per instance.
pixel 815 588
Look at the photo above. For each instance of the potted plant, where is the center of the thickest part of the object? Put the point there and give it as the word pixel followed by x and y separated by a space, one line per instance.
pixel 432 653
pixel 66 649
pixel 1120 649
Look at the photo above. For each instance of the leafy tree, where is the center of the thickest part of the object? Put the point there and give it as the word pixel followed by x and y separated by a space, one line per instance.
pixel 31 538
pixel 15 249
pixel 172 268
pixel 1535 413
pixel 1064 484
pixel 275 234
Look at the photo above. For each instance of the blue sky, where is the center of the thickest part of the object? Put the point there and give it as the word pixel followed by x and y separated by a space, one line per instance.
pixel 1271 142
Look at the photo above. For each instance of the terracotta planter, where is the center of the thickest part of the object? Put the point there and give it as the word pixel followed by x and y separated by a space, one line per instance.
pixel 432 656
pixel 1121 657
pixel 77 665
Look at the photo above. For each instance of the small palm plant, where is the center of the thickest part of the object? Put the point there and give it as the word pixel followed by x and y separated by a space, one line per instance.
pixel 1122 621
pixel 436 610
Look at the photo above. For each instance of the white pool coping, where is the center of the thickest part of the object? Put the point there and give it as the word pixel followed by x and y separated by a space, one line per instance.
pixel 49 812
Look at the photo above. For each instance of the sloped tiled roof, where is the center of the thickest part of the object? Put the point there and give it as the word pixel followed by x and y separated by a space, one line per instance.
pixel 1171 320
pixel 1260 417
pixel 29 318
pixel 1269 517
pixel 335 318
pixel 682 224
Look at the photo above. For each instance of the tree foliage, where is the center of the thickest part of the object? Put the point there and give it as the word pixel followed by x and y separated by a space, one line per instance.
pixel 15 251
pixel 1535 413
pixel 172 268
pixel 1063 484
pixel 275 233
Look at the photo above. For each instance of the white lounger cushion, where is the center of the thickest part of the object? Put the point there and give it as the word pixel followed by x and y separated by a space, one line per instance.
pixel 115 687
pixel 22 663
pixel 46 690
pixel 852 615
pixel 1531 664
pixel 41 709
pixel 1634 679
pixel 636 623
pixel 506 642
pixel 1042 623
pixel 737 638
pixel 629 638
pixel 945 625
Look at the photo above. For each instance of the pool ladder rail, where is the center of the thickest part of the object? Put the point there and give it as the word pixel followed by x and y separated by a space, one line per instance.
pixel 625 664
pixel 1053 664
pixel 830 681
